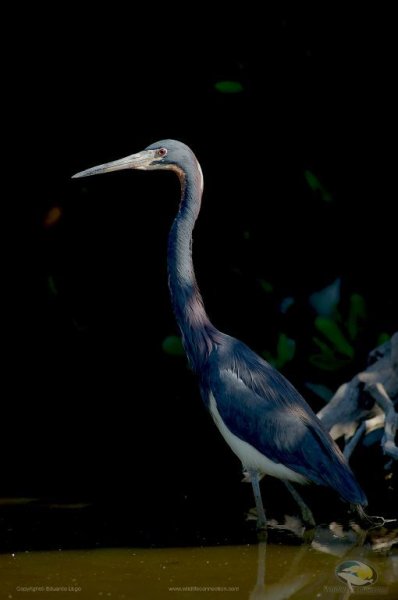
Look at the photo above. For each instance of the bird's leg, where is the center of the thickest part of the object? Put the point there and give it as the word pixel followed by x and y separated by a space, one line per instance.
pixel 261 518
pixel 306 513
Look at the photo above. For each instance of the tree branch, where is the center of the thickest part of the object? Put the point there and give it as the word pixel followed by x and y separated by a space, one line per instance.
pixel 367 402
pixel 378 392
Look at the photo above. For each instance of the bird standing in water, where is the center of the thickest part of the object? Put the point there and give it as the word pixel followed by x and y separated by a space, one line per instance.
pixel 261 416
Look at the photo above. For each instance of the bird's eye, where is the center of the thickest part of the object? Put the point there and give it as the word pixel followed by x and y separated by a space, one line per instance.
pixel 161 152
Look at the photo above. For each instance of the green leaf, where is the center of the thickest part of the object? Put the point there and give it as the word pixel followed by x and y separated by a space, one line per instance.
pixel 172 345
pixel 228 87
pixel 286 303
pixel 325 349
pixel 285 351
pixel 333 333
pixel 312 181
pixel 52 286
pixel 324 301
pixel 270 358
pixel 266 286
pixel 316 185
pixel 286 348
pixel 356 314
pixel 383 338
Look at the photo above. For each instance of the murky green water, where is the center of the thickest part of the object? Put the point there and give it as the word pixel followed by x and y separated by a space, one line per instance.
pixel 329 562
pixel 272 571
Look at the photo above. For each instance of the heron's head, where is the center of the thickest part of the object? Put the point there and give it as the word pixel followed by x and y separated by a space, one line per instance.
pixel 166 154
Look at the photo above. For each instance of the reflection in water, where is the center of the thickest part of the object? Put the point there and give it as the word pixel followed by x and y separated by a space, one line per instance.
pixel 367 559
pixel 292 582
pixel 304 570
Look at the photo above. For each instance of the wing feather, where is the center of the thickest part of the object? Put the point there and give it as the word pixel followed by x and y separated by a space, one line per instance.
pixel 261 407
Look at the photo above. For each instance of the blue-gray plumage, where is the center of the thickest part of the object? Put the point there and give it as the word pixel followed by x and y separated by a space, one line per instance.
pixel 260 414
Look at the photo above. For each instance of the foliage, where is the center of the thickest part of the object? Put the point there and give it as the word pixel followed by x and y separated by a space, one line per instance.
pixel 285 350
pixel 316 186
pixel 338 335
pixel 228 87
pixel 172 345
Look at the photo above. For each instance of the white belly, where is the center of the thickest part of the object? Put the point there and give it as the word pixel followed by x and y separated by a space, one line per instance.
pixel 249 456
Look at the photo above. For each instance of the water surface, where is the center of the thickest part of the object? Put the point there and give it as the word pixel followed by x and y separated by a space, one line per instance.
pixel 265 570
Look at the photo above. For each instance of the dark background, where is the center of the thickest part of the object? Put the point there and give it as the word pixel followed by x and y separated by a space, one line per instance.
pixel 93 408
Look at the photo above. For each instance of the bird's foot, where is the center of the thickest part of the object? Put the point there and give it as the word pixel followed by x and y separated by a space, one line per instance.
pixel 291 524
pixel 261 524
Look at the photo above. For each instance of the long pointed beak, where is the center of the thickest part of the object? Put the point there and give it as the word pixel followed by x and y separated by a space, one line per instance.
pixel 141 160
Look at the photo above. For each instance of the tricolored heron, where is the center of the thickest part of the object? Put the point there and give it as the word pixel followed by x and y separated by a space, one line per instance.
pixel 262 417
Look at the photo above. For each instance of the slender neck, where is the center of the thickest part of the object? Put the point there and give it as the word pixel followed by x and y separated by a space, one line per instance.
pixel 186 299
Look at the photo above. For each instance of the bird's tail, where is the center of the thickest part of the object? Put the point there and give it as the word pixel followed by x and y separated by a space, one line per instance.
pixel 359 509
pixel 342 479
pixel 337 472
